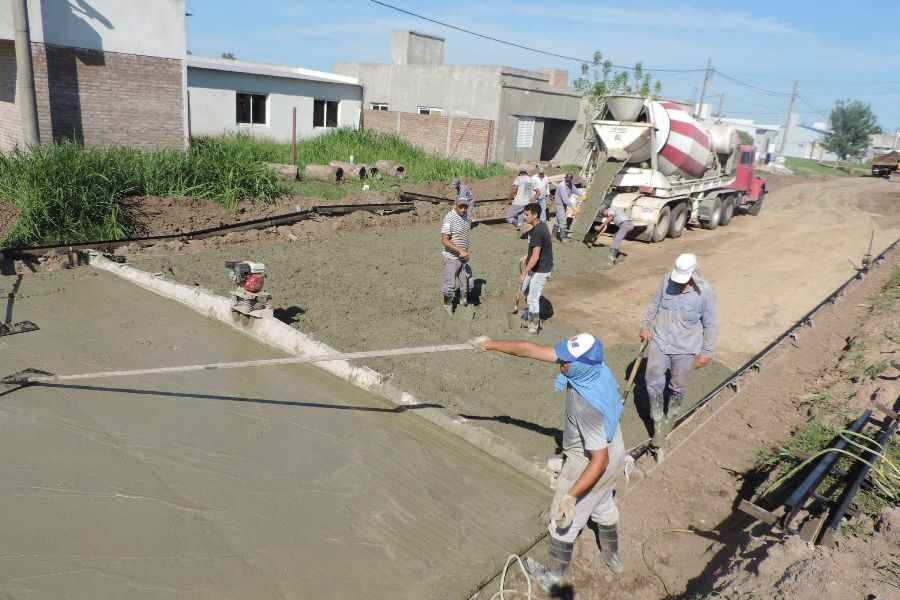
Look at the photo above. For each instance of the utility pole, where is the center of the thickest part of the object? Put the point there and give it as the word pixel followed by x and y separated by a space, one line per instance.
pixel 25 74
pixel 787 122
pixel 721 101
pixel 706 75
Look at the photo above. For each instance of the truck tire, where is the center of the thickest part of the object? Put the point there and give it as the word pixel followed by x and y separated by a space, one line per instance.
pixel 757 206
pixel 661 229
pixel 715 216
pixel 727 211
pixel 677 220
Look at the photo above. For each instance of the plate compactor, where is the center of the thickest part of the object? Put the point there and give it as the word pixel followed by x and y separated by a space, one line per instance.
pixel 249 299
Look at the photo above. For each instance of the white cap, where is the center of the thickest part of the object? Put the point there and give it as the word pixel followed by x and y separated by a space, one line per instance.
pixel 685 265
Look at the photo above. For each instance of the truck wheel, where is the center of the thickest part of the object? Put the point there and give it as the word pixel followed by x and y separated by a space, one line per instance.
pixel 661 229
pixel 714 216
pixel 757 206
pixel 677 220
pixel 727 212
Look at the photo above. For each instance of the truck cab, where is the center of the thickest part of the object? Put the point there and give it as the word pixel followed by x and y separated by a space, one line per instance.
pixel 752 186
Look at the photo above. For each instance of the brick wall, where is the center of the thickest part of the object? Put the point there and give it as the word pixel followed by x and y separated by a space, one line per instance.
pixel 104 98
pixel 10 115
pixel 456 137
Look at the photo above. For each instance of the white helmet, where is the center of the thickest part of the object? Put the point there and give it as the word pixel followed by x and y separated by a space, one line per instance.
pixel 685 265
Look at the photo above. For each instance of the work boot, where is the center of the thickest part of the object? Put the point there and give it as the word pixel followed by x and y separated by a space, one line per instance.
pixel 448 303
pixel 534 323
pixel 608 547
pixel 559 555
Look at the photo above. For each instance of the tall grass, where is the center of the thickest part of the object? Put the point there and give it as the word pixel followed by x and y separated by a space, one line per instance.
pixel 365 146
pixel 67 193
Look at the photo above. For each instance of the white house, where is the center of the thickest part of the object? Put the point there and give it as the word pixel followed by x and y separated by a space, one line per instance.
pixel 230 95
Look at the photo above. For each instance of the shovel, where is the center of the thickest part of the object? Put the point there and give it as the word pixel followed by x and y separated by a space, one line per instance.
pixel 513 317
pixel 629 385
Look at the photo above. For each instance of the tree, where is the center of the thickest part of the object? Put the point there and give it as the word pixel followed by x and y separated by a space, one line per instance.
pixel 852 122
pixel 229 56
pixel 598 79
pixel 746 138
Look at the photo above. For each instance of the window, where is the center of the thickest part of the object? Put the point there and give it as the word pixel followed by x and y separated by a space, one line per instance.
pixel 251 108
pixel 745 158
pixel 378 105
pixel 430 110
pixel 525 132
pixel 325 113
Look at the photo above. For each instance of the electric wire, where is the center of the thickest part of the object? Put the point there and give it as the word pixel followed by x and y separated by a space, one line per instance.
pixel 521 46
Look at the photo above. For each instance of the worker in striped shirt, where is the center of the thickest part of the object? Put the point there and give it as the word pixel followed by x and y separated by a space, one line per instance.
pixel 455 241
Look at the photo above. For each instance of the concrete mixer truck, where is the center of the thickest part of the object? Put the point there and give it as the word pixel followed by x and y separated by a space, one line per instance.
pixel 664 169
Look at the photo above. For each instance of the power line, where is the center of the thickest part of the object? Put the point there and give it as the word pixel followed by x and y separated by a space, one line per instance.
pixel 742 101
pixel 814 109
pixel 515 45
pixel 751 86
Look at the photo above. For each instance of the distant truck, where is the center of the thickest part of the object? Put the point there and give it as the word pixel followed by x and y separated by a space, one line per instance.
pixel 671 170
pixel 885 164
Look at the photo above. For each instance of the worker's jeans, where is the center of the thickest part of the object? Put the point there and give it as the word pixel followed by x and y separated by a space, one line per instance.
pixel 624 228
pixel 515 214
pixel 598 504
pixel 533 287
pixel 456 272
pixel 658 363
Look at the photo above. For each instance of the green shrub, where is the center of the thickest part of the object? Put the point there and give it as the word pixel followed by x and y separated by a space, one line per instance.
pixel 68 193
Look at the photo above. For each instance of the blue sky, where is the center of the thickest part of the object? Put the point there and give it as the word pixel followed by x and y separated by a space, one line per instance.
pixel 836 50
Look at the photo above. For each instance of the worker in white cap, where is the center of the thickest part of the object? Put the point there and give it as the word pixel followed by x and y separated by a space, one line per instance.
pixel 593 450
pixel 682 326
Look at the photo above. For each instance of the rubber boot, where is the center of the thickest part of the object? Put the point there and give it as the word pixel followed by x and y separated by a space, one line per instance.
pixel 658 416
pixel 559 555
pixel 448 303
pixel 608 547
pixel 525 317
pixel 674 410
pixel 534 323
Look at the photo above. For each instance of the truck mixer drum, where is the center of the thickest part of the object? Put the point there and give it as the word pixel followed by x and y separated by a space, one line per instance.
pixel 248 298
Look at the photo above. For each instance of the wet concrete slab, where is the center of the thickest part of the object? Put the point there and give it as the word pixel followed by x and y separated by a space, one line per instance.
pixel 381 289
pixel 275 482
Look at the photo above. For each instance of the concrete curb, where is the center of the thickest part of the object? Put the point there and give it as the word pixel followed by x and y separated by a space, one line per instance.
pixel 274 333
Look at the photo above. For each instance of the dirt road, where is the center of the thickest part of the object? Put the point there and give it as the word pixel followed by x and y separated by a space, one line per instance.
pixel 767 271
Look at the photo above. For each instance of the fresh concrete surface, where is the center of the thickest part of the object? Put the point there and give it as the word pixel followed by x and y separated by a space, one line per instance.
pixel 277 482
pixel 381 289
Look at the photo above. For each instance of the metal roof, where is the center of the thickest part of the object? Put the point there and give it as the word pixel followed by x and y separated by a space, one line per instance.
pixel 239 66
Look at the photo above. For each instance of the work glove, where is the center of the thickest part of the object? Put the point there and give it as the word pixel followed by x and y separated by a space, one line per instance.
pixel 565 512
pixel 478 343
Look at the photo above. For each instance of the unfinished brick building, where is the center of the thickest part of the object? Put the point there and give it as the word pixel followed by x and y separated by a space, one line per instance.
pixel 104 72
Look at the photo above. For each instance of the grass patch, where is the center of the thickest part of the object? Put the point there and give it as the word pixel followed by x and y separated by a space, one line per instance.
pixel 885 300
pixel 805 167
pixel 366 147
pixel 68 193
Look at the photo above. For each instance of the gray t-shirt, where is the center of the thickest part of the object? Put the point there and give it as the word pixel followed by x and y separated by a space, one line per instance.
pixel 525 190
pixel 584 431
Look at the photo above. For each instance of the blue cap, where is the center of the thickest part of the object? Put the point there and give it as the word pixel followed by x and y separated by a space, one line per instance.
pixel 583 347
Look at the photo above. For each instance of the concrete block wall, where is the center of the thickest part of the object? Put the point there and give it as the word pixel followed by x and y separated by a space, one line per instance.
pixel 10 115
pixel 104 98
pixel 460 138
